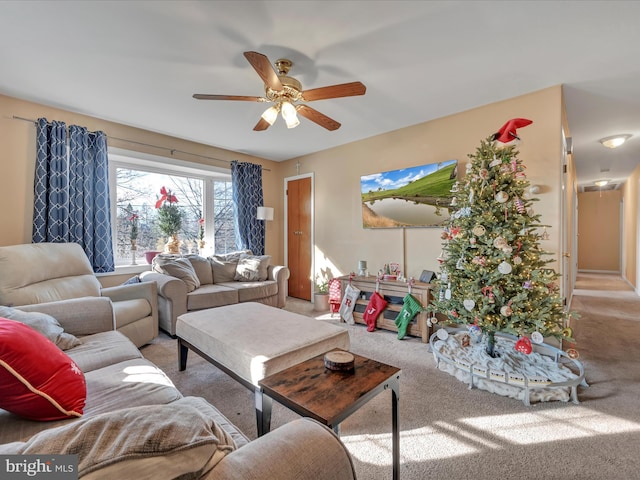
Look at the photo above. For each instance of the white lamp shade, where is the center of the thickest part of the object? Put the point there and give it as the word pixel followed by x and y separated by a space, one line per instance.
pixel 288 111
pixel 292 122
pixel 270 115
pixel 264 213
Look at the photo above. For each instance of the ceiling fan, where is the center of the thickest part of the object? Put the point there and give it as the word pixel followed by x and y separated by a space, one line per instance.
pixel 286 94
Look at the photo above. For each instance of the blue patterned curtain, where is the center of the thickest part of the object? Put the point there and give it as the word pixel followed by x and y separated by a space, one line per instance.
pixel 71 190
pixel 246 182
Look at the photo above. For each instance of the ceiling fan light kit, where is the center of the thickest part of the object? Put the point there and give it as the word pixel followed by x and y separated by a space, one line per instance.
pixel 287 95
pixel 290 115
pixel 270 114
pixel 615 141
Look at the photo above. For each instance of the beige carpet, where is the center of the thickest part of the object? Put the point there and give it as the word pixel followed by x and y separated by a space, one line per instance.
pixel 451 432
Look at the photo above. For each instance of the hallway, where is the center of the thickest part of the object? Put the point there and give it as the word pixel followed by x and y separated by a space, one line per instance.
pixel 608 331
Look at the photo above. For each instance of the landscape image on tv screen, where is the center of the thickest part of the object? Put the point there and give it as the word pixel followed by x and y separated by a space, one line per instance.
pixel 408 197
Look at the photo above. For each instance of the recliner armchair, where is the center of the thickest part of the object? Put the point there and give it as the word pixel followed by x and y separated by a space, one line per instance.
pixel 48 272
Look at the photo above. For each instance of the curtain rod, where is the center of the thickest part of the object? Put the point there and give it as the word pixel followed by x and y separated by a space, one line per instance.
pixel 171 150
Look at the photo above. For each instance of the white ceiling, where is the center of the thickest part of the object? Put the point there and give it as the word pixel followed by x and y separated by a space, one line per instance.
pixel 139 62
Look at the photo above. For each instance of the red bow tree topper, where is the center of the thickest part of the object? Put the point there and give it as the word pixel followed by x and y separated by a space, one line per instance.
pixel 167 196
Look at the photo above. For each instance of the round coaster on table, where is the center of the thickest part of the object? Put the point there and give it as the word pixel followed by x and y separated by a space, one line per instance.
pixel 340 361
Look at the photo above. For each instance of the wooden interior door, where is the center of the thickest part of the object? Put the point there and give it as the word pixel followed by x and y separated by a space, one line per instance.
pixel 299 237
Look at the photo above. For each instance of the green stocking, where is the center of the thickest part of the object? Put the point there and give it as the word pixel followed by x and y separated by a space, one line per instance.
pixel 409 310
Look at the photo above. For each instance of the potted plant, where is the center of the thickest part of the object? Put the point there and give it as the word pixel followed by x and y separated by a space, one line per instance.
pixel 169 219
pixel 133 234
pixel 321 295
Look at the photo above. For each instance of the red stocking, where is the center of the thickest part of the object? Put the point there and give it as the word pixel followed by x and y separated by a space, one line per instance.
pixel 375 306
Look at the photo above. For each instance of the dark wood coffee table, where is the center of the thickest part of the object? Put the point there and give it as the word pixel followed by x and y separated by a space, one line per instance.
pixel 311 390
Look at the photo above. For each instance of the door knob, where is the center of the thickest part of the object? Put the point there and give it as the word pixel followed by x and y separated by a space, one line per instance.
pixel 568 255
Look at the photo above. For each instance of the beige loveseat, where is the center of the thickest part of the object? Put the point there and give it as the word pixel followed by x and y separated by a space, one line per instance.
pixel 191 282
pixel 136 424
pixel 47 272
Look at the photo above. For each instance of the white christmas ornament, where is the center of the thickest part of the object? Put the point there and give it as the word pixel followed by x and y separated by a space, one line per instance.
pixel 536 337
pixel 479 230
pixel 506 310
pixel 500 242
pixel 502 197
pixel 469 304
pixel 442 334
pixel 505 268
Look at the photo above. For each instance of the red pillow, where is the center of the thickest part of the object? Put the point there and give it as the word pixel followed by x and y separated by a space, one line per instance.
pixel 37 380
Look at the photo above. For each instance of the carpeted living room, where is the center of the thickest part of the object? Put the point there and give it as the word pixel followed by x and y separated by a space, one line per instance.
pixel 451 432
pixel 324 239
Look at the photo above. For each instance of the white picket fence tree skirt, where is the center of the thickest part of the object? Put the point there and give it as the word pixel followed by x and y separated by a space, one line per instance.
pixel 546 374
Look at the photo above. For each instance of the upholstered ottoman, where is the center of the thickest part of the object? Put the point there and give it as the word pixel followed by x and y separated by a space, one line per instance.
pixel 250 341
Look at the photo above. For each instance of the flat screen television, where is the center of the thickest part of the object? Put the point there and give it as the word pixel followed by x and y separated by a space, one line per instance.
pixel 409 197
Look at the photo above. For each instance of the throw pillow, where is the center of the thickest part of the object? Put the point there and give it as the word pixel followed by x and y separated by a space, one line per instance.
pixel 176 440
pixel 202 267
pixel 38 381
pixel 43 323
pixel 252 268
pixel 223 270
pixel 178 267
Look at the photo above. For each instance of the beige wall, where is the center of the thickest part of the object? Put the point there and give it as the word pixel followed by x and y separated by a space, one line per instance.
pixel 599 230
pixel 340 239
pixel 17 160
pixel 631 241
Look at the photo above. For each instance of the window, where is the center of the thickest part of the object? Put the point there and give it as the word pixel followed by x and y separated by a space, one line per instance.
pixel 135 188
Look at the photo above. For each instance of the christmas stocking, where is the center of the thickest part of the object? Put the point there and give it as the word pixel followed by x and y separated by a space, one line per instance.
pixel 409 310
pixel 351 295
pixel 375 306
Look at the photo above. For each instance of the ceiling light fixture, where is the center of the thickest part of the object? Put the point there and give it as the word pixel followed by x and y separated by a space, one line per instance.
pixel 290 115
pixel 271 113
pixel 601 183
pixel 615 141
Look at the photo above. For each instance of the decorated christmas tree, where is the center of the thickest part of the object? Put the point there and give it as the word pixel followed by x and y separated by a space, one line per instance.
pixel 493 275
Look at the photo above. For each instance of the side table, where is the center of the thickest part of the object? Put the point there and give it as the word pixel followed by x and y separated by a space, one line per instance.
pixel 311 390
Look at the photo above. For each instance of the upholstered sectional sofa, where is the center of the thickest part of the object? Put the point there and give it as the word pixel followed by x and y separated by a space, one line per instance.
pixel 135 424
pixel 191 282
pixel 47 272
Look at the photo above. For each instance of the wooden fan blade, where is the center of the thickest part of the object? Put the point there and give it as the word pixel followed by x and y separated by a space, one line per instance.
pixel 335 91
pixel 317 117
pixel 202 96
pixel 261 125
pixel 262 65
